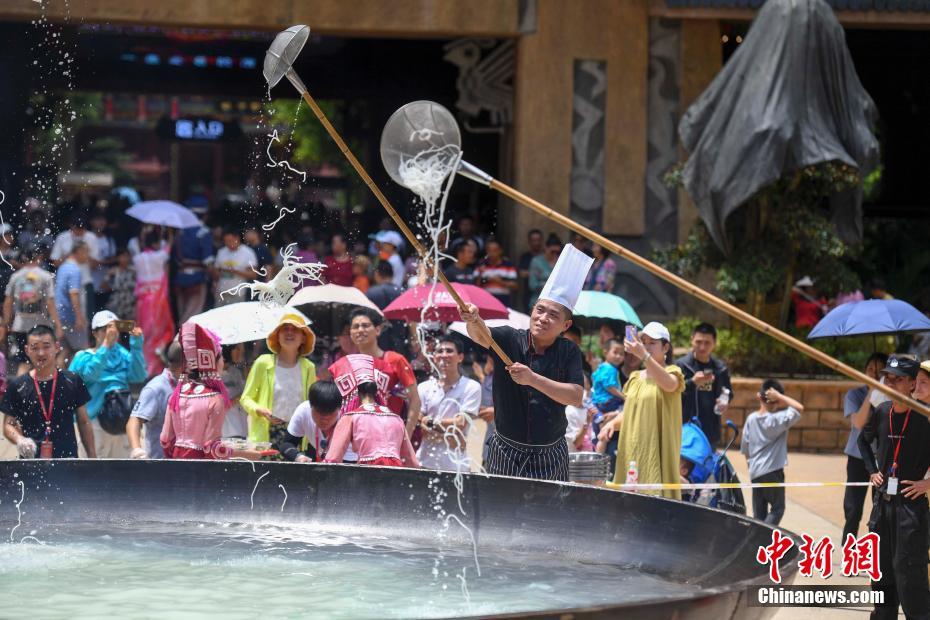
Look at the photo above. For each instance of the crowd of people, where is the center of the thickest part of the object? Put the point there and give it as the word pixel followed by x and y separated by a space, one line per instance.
pixel 86 319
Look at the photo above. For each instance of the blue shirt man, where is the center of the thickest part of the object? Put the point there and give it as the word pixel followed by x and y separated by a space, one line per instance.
pixel 193 253
pixel 67 279
pixel 195 250
pixel 70 298
pixel 151 407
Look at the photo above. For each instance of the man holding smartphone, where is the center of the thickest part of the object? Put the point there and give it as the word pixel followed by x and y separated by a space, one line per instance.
pixel 705 379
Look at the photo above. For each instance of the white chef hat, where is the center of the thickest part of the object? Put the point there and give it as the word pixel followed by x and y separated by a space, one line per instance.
pixel 567 277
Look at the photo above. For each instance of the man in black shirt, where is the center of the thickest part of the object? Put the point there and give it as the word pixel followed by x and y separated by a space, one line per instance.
pixel 462 271
pixel 530 396
pixel 40 406
pixel 705 379
pixel 899 517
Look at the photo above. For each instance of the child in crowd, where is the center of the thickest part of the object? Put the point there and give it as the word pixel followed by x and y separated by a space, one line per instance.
pixel 578 434
pixel 312 425
pixel 197 407
pixel 375 433
pixel 121 283
pixel 236 425
pixel 765 444
pixel 606 394
pixel 361 267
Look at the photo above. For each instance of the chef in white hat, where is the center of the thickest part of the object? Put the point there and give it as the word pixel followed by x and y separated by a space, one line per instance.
pixel 530 396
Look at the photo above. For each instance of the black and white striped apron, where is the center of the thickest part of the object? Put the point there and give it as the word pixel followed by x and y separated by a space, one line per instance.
pixel 511 458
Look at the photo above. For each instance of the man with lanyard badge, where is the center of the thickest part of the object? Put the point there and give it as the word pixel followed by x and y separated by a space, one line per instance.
pixel 40 406
pixel 530 396
pixel 900 520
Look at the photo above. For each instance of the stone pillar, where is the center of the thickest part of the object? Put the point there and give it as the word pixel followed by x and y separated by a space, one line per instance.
pixel 701 60
pixel 614 36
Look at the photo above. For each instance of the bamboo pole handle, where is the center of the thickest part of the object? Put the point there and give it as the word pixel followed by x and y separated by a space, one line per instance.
pixel 700 293
pixel 421 251
pixel 483 326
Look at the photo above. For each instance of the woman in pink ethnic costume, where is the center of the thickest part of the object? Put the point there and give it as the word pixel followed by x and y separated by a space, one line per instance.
pixel 375 433
pixel 197 407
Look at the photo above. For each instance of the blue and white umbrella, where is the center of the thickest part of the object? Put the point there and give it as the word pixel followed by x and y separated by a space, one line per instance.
pixel 128 193
pixel 245 321
pixel 871 317
pixel 163 213
pixel 601 305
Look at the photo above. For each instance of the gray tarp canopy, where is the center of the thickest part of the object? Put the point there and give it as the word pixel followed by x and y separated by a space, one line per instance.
pixel 788 98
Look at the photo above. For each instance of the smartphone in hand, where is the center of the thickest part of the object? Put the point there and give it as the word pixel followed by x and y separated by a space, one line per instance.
pixel 631 333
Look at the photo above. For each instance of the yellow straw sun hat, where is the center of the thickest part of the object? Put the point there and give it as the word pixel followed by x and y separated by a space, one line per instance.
pixel 297 321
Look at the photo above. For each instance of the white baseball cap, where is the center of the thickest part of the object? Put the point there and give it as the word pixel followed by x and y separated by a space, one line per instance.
pixel 102 319
pixel 657 331
pixel 390 236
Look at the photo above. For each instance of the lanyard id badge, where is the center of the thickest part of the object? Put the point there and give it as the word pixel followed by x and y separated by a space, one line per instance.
pixel 45 448
pixel 891 488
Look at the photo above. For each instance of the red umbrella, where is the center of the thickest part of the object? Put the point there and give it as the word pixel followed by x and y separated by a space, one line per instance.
pixel 409 306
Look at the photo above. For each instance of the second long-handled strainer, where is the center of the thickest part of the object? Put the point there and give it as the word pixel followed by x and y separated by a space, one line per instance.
pixel 421 125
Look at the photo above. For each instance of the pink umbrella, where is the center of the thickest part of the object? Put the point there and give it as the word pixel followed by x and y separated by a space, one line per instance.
pixel 409 306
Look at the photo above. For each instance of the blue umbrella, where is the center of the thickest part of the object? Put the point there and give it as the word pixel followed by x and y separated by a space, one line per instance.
pixel 128 193
pixel 874 316
pixel 601 305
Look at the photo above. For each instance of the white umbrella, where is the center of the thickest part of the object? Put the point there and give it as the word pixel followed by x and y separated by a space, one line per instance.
pixel 163 213
pixel 329 305
pixel 244 321
pixel 514 319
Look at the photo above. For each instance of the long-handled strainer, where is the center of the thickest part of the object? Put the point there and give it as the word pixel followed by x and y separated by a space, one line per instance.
pixel 278 64
pixel 425 124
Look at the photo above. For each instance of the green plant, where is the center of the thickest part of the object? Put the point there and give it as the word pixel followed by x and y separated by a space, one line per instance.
pixel 310 144
pixel 751 353
pixel 106 154
pixel 896 251
pixel 778 235
pixel 57 118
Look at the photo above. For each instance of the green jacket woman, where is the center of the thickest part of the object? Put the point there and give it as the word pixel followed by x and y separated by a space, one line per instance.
pixel 279 381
